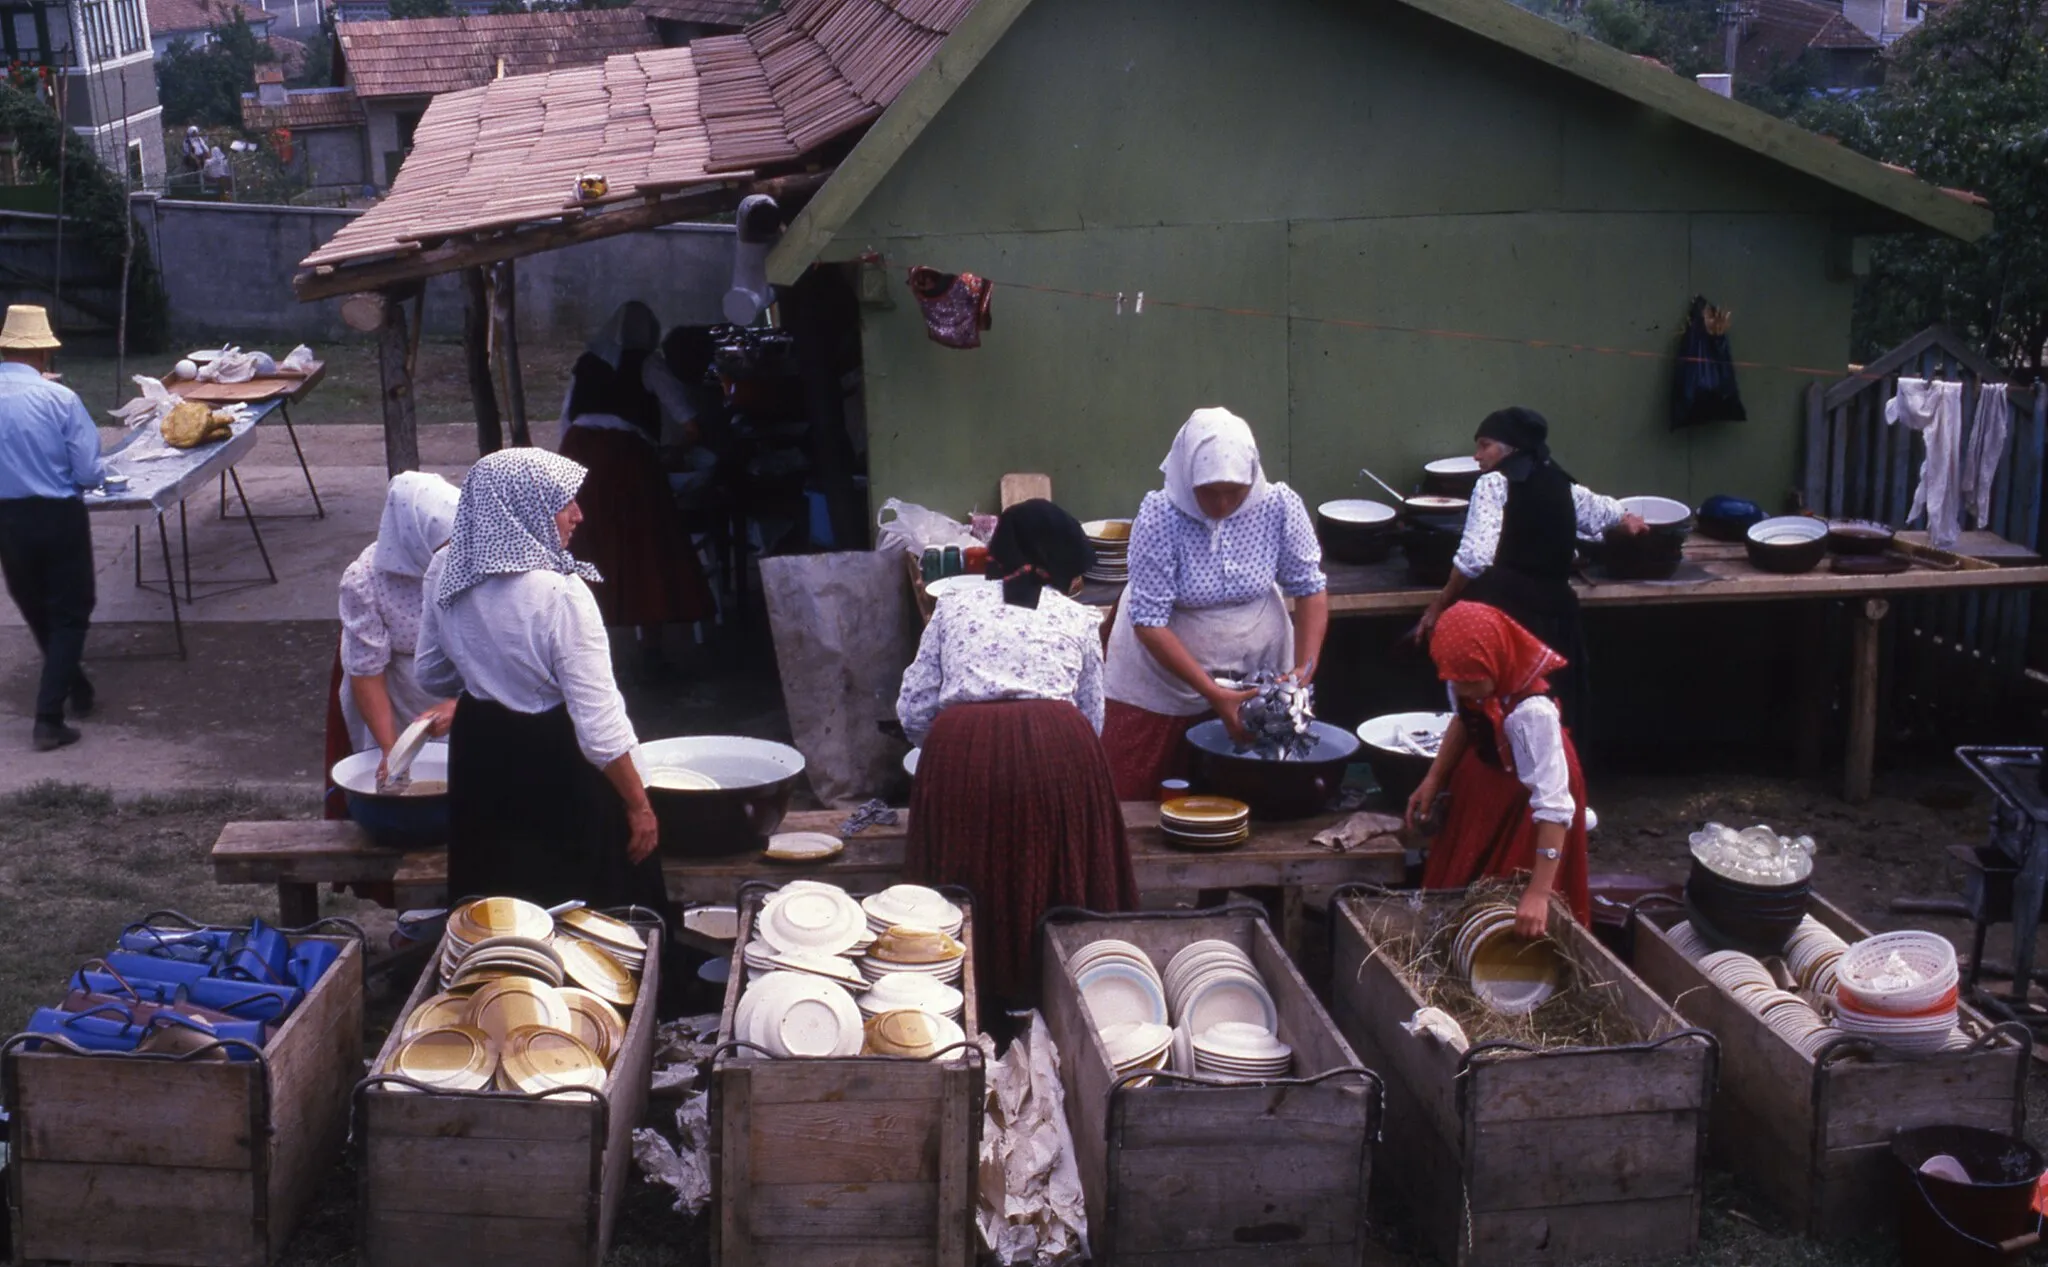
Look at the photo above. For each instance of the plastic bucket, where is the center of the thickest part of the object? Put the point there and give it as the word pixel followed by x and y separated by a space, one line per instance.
pixel 1987 1222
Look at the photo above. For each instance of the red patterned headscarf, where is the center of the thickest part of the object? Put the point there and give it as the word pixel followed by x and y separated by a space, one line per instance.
pixel 1473 641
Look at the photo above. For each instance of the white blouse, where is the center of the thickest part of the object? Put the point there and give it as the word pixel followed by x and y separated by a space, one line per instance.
pixel 1596 514
pixel 530 641
pixel 979 648
pixel 1535 733
pixel 380 616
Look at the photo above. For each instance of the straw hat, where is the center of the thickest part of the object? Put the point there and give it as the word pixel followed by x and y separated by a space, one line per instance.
pixel 27 329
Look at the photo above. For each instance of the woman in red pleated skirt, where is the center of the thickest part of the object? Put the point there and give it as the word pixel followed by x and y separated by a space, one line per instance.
pixel 1013 797
pixel 1515 797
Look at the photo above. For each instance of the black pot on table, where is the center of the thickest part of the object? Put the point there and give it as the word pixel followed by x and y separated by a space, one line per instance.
pixel 1757 919
pixel 1273 789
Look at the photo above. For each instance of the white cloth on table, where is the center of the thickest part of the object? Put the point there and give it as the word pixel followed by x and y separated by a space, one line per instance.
pixel 1233 640
pixel 979 649
pixel 1935 409
pixel 530 641
pixel 1214 446
pixel 1536 739
pixel 1595 513
pixel 1987 450
pixel 380 626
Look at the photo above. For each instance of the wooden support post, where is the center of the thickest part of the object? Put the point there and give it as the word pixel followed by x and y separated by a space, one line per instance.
pixel 1866 621
pixel 476 356
pixel 394 370
pixel 505 339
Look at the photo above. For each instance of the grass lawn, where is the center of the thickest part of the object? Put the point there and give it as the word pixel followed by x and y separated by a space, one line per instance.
pixel 76 865
pixel 351 391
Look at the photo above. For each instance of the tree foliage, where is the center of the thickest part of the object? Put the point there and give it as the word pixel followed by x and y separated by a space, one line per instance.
pixel 1683 34
pixel 95 206
pixel 318 69
pixel 1966 106
pixel 422 8
pixel 204 83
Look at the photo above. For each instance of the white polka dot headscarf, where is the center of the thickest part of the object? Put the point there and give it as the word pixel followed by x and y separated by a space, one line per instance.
pixel 505 522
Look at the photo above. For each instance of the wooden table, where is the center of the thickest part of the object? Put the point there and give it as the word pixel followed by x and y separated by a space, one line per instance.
pixel 299 856
pixel 276 393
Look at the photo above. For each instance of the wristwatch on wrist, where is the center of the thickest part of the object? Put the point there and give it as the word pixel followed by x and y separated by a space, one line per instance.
pixel 1552 854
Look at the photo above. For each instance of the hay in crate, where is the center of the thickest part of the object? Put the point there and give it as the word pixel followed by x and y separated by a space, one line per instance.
pixel 1586 1012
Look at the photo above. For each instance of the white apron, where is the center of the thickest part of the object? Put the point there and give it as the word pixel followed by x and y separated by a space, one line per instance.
pixel 1230 641
pixel 408 700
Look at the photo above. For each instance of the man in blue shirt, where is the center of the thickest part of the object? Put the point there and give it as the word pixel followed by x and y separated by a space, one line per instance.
pixel 49 453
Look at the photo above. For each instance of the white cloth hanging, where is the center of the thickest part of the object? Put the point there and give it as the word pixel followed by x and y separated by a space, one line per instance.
pixel 1987 450
pixel 1935 409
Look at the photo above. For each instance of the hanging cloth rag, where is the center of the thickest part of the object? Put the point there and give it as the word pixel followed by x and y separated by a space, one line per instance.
pixel 956 305
pixel 1987 450
pixel 1935 409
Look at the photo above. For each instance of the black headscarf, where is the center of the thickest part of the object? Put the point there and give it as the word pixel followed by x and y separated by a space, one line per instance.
pixel 1523 430
pixel 1037 544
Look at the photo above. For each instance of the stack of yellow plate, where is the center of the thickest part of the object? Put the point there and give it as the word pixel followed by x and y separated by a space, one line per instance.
pixel 589 966
pixel 915 950
pixel 1205 822
pixel 487 919
pixel 596 1022
pixel 1111 539
pixel 615 937
pixel 911 1032
pixel 536 1058
pixel 451 1058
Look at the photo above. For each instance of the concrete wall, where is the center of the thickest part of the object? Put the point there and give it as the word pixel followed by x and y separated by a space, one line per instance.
pixel 228 268
pixel 1336 169
pixel 334 156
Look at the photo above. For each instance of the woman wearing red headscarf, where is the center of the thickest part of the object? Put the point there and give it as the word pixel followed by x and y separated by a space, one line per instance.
pixel 1517 801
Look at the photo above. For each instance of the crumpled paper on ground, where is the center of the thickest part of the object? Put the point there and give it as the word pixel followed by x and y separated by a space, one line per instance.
pixel 687 1170
pixel 1359 829
pixel 689 1040
pixel 1031 1209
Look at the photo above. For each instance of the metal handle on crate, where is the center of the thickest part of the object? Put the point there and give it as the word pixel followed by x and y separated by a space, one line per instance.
pixel 1082 915
pixel 345 924
pixel 1124 1081
pixel 65 1045
pixel 736 1044
pixel 634 913
pixel 1652 899
pixel 362 1089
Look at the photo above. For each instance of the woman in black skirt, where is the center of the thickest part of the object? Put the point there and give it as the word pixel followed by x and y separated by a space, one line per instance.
pixel 544 801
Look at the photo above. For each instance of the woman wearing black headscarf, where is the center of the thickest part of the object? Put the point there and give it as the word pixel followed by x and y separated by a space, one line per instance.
pixel 1013 795
pixel 1520 537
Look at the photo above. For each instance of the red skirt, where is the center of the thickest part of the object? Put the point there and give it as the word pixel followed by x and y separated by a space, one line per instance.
pixel 337 740
pixel 1144 748
pixel 1013 800
pixel 1487 831
pixel 633 533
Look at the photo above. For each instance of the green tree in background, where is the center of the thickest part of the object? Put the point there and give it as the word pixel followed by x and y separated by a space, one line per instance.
pixel 1683 34
pixel 204 83
pixel 1966 106
pixel 422 8
pixel 318 70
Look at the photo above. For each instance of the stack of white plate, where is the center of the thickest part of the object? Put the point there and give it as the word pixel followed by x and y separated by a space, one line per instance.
pixel 911 906
pixel 1112 541
pixel 895 991
pixel 615 937
pixel 809 917
pixel 1212 982
pixel 795 1014
pixel 1205 822
pixel 1686 940
pixel 1241 1049
pixel 1792 1019
pixel 1119 983
pixel 1812 956
pixel 1137 1045
pixel 762 959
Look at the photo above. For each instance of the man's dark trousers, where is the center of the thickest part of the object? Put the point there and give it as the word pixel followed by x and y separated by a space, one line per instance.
pixel 46 556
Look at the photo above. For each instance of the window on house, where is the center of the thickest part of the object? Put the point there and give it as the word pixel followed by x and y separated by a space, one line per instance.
pixel 1912 10
pixel 25 30
pixel 135 180
pixel 99 31
pixel 134 31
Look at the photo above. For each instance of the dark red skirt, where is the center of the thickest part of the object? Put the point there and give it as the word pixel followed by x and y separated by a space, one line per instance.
pixel 633 533
pixel 1013 800
pixel 338 743
pixel 1487 831
pixel 1146 747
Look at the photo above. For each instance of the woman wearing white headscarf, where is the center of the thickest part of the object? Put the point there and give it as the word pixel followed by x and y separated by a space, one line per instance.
pixel 1211 557
pixel 377 693
pixel 619 392
pixel 544 801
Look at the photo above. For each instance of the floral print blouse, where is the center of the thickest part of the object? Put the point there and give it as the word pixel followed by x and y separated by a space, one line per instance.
pixel 979 648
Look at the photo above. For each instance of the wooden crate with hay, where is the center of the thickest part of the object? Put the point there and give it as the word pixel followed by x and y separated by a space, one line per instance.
pixel 1573 1132
pixel 1195 1171
pixel 1812 1133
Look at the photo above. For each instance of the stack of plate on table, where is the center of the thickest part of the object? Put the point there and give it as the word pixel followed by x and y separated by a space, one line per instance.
pixel 895 991
pixel 914 950
pixel 1511 974
pixel 909 1031
pixel 1812 956
pixel 796 1014
pixel 1205 822
pixel 912 906
pixel 1899 990
pixel 1112 541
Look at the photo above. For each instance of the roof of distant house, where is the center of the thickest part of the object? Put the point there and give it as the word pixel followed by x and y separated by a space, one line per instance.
pixel 732 13
pixel 426 56
pixel 304 110
pixel 291 54
pixel 1783 30
pixel 175 17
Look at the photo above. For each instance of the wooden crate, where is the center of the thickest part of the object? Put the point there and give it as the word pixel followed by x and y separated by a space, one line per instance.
pixel 139 1159
pixel 1510 1156
pixel 860 1161
pixel 1813 1136
pixel 1194 1172
pixel 499 1177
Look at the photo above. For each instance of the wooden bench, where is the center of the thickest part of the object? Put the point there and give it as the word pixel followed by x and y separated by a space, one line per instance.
pixel 299 856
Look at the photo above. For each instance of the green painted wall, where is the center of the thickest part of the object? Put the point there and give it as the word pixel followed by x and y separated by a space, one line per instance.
pixel 1327 162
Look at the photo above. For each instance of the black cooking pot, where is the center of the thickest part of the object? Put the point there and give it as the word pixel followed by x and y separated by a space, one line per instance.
pixel 1646 556
pixel 718 794
pixel 1757 919
pixel 1274 789
pixel 1357 531
pixel 1431 528
pixel 1451 477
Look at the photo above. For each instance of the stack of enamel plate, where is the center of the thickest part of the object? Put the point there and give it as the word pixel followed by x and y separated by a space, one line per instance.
pixel 1686 940
pixel 1511 974
pixel 515 1003
pixel 762 959
pixel 912 906
pixel 795 1014
pixel 487 919
pixel 595 1021
pixel 895 991
pixel 810 918
pixel 1210 983
pixel 911 1032
pixel 1241 1049
pixel 1205 822
pixel 615 937
pixel 1112 541
pixel 1119 983
pixel 537 1058
pixel 447 1058
pixel 1133 1045
pixel 497 958
pixel 918 950
pixel 1813 955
